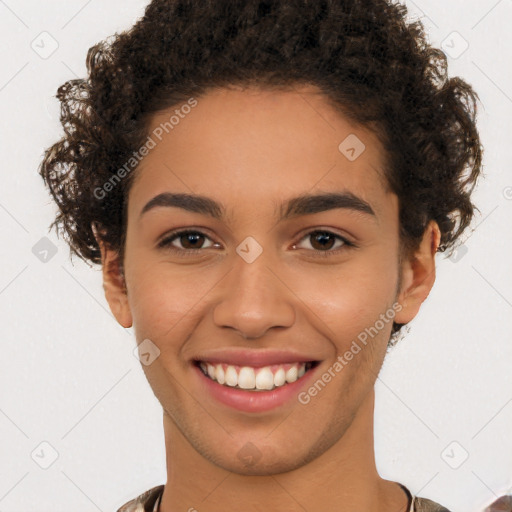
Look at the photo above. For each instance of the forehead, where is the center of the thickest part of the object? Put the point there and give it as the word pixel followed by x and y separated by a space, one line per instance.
pixel 252 146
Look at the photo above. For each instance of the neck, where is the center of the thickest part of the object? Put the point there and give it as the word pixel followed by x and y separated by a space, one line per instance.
pixel 343 478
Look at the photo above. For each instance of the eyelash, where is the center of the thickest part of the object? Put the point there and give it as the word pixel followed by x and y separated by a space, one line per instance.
pixel 166 243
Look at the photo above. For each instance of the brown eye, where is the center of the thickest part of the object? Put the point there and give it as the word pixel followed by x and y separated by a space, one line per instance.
pixel 322 240
pixel 323 243
pixel 189 241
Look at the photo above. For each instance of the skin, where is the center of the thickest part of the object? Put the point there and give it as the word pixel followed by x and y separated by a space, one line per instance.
pixel 250 150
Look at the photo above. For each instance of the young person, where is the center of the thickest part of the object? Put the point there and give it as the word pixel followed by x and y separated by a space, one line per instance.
pixel 266 185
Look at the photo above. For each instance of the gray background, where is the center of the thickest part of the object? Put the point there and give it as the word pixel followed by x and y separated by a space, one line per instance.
pixel 68 374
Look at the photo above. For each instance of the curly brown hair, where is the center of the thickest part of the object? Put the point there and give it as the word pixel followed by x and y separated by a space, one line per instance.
pixel 371 63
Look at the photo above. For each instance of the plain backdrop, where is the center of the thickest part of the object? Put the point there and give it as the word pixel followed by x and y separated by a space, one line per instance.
pixel 73 396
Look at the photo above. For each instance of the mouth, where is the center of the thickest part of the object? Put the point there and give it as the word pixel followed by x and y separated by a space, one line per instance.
pixel 255 378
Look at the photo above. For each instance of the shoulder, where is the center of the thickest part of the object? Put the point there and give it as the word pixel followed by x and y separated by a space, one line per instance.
pixel 422 504
pixel 426 505
pixel 503 504
pixel 145 502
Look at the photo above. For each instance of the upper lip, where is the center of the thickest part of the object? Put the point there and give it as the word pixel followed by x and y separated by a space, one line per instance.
pixel 253 357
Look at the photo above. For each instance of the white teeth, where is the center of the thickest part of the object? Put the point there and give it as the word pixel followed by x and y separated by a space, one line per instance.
pixel 219 374
pixel 231 376
pixel 255 379
pixel 246 378
pixel 279 377
pixel 265 379
pixel 291 374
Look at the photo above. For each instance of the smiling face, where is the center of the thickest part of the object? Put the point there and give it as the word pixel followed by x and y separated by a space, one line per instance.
pixel 261 280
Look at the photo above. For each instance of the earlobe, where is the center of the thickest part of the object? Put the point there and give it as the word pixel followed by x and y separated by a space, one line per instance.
pixel 418 274
pixel 114 284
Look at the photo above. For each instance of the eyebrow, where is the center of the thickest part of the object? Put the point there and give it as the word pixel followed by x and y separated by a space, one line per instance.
pixel 306 204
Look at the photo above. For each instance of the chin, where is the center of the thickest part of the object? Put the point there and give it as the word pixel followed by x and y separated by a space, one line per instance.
pixel 265 466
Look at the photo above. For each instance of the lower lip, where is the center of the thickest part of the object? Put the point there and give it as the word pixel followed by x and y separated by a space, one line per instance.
pixel 254 401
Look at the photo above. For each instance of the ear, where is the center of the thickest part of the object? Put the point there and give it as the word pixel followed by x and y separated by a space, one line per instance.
pixel 114 283
pixel 418 275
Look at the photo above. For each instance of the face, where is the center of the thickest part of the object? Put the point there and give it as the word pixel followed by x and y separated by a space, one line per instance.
pixel 258 289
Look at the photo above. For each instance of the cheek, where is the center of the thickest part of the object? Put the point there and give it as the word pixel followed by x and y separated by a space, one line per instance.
pixel 162 302
pixel 167 301
pixel 351 297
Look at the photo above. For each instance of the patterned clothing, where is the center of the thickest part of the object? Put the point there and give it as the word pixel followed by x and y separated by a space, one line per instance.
pixel 149 501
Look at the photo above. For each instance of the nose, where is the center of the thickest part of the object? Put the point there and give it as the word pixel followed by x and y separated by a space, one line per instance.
pixel 253 298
